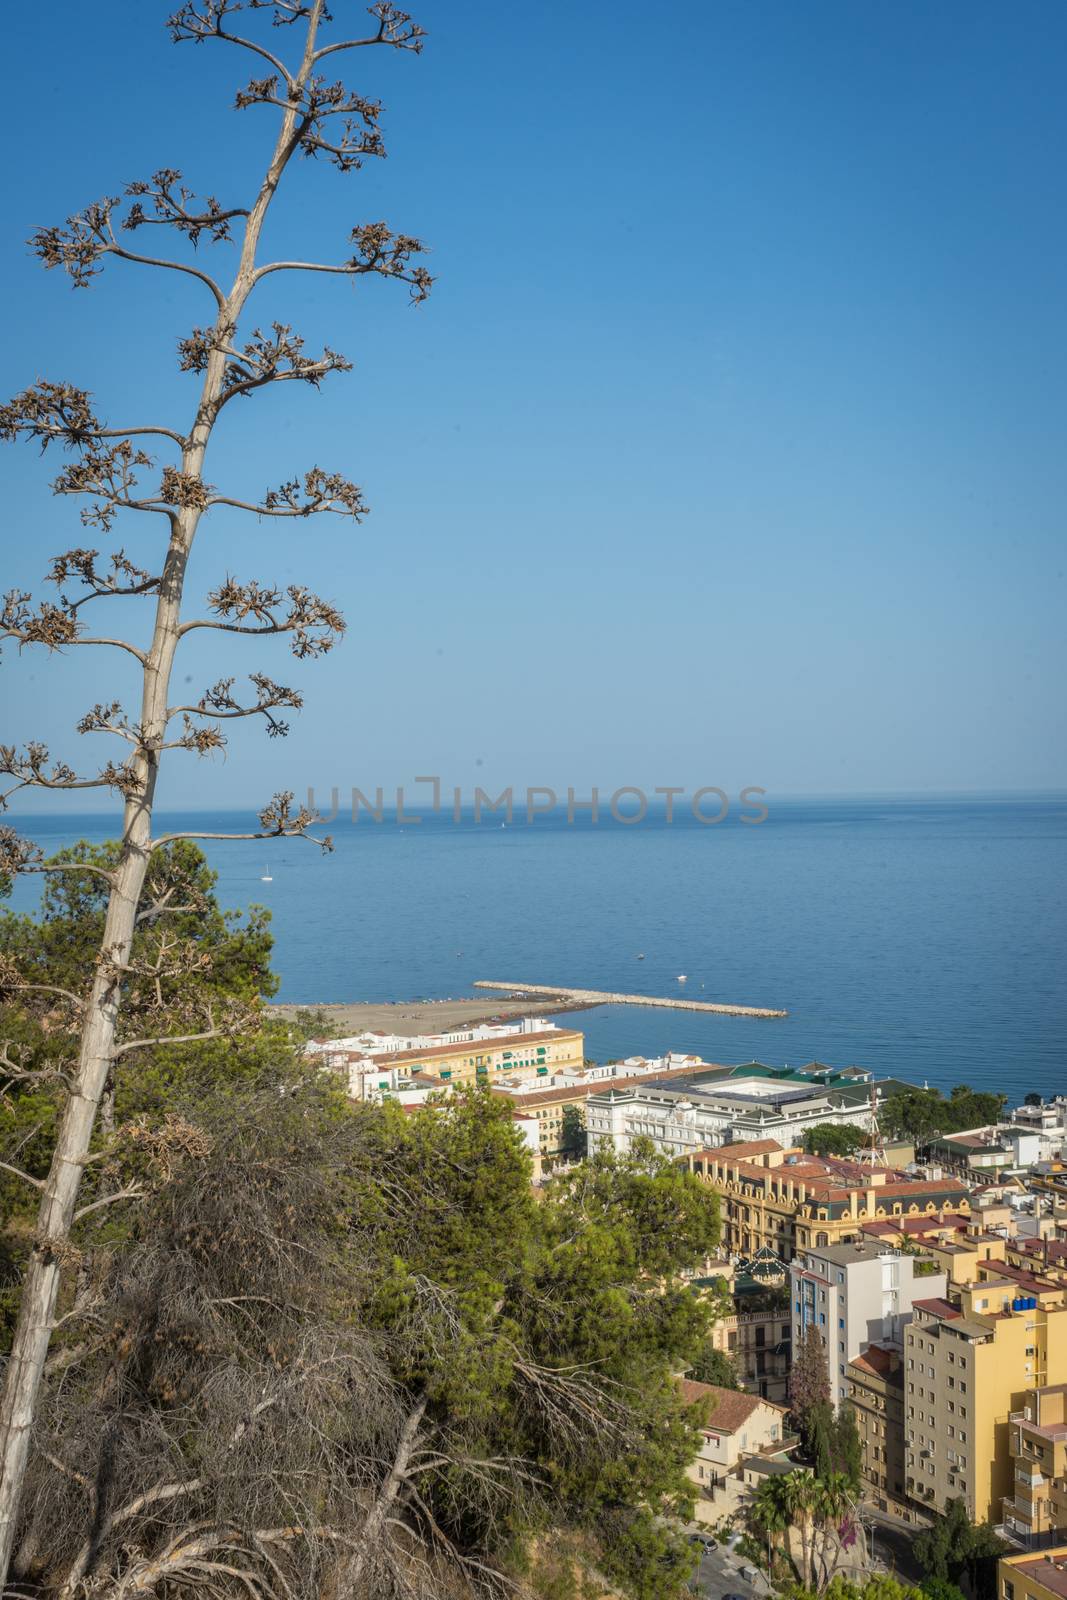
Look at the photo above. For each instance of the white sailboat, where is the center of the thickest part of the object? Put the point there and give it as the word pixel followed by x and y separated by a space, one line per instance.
pixel 266 878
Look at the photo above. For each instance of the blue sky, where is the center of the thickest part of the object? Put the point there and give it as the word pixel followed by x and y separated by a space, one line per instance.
pixel 728 449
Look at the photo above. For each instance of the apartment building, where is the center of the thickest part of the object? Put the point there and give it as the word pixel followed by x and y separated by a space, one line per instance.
pixel 1035 1510
pixel 530 1053
pixel 856 1295
pixel 780 1199
pixel 969 1363
pixel 876 1395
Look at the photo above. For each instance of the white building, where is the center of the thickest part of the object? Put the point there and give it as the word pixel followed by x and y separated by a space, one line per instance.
pixel 732 1105
pixel 1049 1122
pixel 375 1043
pixel 855 1295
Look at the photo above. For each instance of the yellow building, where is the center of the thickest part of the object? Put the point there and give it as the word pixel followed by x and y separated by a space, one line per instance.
pixel 1035 1510
pixel 530 1055
pixel 785 1201
pixel 1030 1577
pixel 969 1363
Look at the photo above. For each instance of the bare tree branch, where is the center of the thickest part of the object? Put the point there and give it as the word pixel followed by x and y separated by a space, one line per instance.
pixel 132 1193
pixel 17 1172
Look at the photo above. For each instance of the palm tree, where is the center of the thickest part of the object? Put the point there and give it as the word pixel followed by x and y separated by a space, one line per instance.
pixel 769 1518
pixel 835 1510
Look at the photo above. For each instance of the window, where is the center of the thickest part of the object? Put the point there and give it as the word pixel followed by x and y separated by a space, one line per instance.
pixel 1009 1590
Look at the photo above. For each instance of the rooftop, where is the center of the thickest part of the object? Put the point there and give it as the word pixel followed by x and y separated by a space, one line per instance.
pixel 1049 1571
pixel 729 1409
pixel 878 1362
pixel 1018 1275
pixel 944 1310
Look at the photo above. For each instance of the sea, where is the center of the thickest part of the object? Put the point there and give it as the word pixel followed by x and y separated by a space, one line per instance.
pixel 924 938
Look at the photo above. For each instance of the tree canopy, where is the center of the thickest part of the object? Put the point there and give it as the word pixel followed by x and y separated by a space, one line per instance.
pixel 920 1114
pixel 830 1139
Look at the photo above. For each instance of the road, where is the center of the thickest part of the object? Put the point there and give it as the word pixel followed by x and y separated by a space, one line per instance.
pixel 719 1573
pixel 890 1540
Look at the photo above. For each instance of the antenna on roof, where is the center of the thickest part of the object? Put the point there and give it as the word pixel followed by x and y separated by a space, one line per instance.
pixel 874 1150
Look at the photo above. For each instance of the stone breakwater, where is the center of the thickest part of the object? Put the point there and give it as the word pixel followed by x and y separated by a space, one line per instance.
pixel 600 997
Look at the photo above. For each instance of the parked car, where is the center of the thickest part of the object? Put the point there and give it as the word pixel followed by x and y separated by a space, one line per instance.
pixel 705 1542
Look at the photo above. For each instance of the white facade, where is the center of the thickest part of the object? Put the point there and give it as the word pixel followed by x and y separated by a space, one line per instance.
pixel 682 1121
pixel 380 1044
pixel 855 1295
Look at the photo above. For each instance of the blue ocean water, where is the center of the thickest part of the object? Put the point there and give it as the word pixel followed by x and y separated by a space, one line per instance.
pixel 925 938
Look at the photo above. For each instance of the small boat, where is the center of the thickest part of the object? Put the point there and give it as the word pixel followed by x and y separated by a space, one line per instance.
pixel 641 956
pixel 266 877
pixel 681 977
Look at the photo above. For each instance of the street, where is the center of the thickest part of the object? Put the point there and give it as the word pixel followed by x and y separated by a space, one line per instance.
pixel 719 1573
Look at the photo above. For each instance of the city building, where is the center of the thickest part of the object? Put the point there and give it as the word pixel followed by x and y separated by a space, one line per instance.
pixel 1028 1577
pixel 547 1098
pixel 876 1396
pixel 534 1048
pixel 1035 1509
pixel 755 1332
pixel 738 1425
pixel 856 1295
pixel 970 1361
pixel 727 1105
pixel 780 1199
pixel 987 1153
pixel 1049 1119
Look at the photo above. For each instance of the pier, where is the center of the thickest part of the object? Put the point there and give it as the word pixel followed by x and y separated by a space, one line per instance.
pixel 600 997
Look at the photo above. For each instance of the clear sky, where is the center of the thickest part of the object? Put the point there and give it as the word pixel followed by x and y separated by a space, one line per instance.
pixel 728 450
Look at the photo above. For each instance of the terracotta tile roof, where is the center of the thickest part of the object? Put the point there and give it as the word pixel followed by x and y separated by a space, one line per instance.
pixel 878 1361
pixel 729 1409
pixel 749 1147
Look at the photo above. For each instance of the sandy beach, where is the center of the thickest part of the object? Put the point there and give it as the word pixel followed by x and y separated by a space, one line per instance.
pixel 425 1016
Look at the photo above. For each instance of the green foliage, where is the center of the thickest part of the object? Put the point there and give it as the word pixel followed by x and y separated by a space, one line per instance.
pixel 955 1547
pixel 809 1385
pixel 879 1587
pixel 574 1141
pixel 827 1139
pixel 919 1114
pixel 311 1023
pixel 940 1589
pixel 848 1453
pixel 714 1366
pixel 211 963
